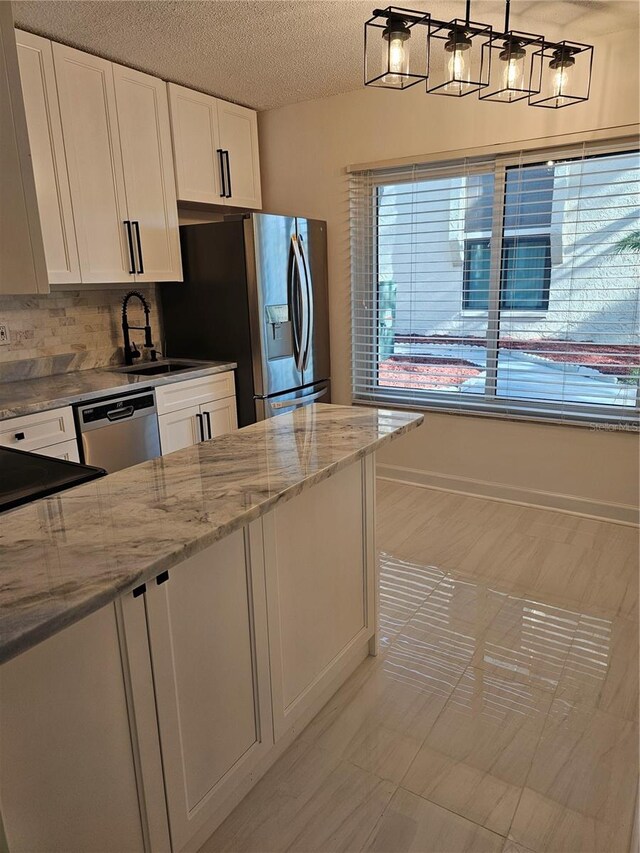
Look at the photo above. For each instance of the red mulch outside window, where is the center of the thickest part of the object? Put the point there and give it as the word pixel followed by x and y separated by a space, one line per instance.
pixel 425 372
pixel 616 359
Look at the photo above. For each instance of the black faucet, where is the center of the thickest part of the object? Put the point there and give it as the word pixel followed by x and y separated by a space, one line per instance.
pixel 130 350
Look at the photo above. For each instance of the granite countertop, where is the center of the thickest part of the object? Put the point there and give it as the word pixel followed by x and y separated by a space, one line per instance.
pixel 67 555
pixel 49 392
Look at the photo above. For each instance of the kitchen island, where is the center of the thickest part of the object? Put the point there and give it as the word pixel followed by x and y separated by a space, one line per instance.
pixel 167 631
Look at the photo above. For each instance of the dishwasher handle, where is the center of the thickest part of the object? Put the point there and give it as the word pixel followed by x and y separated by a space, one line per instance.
pixel 120 414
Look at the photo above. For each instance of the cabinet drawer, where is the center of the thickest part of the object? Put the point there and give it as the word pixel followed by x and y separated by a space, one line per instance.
pixel 66 450
pixel 193 392
pixel 32 432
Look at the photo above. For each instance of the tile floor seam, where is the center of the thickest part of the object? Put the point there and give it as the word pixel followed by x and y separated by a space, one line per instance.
pixel 453 812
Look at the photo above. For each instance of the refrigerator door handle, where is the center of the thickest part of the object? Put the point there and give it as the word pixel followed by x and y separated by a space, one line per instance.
pixel 300 401
pixel 309 286
pixel 303 314
pixel 294 301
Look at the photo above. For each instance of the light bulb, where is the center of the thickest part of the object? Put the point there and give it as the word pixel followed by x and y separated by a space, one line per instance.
pixel 397 56
pixel 561 65
pixel 459 69
pixel 514 73
pixel 459 65
pixel 395 52
pixel 514 56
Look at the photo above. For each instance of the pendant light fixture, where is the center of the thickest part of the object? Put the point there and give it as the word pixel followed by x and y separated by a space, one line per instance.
pixel 395 48
pixel 459 71
pixel 462 56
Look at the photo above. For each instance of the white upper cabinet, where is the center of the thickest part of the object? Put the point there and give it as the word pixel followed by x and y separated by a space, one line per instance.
pixel 90 130
pixel 145 140
pixel 47 153
pixel 215 146
pixel 22 259
pixel 196 145
pixel 115 125
pixel 239 142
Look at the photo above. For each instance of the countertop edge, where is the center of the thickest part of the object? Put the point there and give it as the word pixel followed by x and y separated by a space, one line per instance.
pixel 17 644
pixel 136 383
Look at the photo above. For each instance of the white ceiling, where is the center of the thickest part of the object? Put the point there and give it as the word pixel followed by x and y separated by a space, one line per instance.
pixel 266 53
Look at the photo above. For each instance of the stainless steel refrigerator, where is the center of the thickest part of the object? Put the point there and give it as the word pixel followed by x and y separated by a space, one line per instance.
pixel 255 292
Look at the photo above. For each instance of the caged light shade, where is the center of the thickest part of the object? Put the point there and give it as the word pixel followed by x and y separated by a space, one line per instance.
pixel 395 49
pixel 509 59
pixel 563 74
pixel 455 57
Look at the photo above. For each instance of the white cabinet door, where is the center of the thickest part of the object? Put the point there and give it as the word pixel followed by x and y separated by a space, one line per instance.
pixel 145 138
pixel 90 130
pixel 319 567
pixel 180 429
pixel 215 146
pixel 42 429
pixel 67 777
pixel 22 260
pixel 196 147
pixel 208 643
pixel 66 450
pixel 220 416
pixel 238 129
pixel 47 153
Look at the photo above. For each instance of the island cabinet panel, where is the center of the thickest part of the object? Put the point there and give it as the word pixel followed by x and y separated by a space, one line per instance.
pixel 67 777
pixel 319 566
pixel 208 646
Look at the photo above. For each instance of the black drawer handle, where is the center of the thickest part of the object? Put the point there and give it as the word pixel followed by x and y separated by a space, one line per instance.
pixel 163 577
pixel 139 590
pixel 20 436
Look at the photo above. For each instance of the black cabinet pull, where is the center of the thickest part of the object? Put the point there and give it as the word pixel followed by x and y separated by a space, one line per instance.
pixel 207 418
pixel 220 153
pixel 226 156
pixel 200 426
pixel 20 436
pixel 163 577
pixel 132 265
pixel 139 590
pixel 136 225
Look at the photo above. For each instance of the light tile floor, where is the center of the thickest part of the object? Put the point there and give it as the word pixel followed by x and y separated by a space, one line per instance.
pixel 502 713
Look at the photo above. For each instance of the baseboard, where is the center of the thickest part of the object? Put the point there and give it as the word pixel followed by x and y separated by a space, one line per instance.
pixel 618 513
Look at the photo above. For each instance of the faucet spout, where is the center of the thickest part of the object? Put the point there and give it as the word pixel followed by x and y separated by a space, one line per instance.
pixel 131 352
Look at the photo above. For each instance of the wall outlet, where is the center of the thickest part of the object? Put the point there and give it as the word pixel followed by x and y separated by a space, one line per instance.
pixel 4 333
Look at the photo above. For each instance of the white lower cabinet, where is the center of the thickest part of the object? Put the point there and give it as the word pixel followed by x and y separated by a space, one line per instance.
pixel 142 726
pixel 66 450
pixel 319 550
pixel 67 775
pixel 208 641
pixel 183 425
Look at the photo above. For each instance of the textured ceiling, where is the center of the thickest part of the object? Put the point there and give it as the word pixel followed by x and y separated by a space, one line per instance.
pixel 266 53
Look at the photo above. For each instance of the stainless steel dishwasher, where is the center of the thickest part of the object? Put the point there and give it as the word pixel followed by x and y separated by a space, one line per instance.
pixel 119 431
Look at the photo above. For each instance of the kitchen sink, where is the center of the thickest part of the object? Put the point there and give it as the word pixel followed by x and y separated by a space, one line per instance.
pixel 154 369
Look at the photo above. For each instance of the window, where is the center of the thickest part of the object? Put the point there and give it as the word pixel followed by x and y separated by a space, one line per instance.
pixel 526 273
pixel 500 285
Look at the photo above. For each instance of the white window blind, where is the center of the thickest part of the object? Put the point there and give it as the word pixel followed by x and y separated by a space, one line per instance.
pixel 506 285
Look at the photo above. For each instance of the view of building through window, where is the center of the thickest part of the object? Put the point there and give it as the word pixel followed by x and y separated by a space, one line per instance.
pixel 517 283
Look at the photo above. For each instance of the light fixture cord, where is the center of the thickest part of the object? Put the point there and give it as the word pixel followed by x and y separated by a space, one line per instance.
pixel 507 9
pixel 468 11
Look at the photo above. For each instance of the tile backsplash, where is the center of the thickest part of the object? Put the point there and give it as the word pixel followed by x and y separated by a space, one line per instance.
pixel 70 330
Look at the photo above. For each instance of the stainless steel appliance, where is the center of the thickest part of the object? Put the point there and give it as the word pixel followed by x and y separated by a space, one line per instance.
pixel 255 292
pixel 26 476
pixel 118 432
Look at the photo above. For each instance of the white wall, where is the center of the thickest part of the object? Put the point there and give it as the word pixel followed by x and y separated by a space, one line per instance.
pixel 305 149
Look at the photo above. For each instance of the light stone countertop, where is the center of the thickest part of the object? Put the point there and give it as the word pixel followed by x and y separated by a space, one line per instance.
pixel 48 392
pixel 67 555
